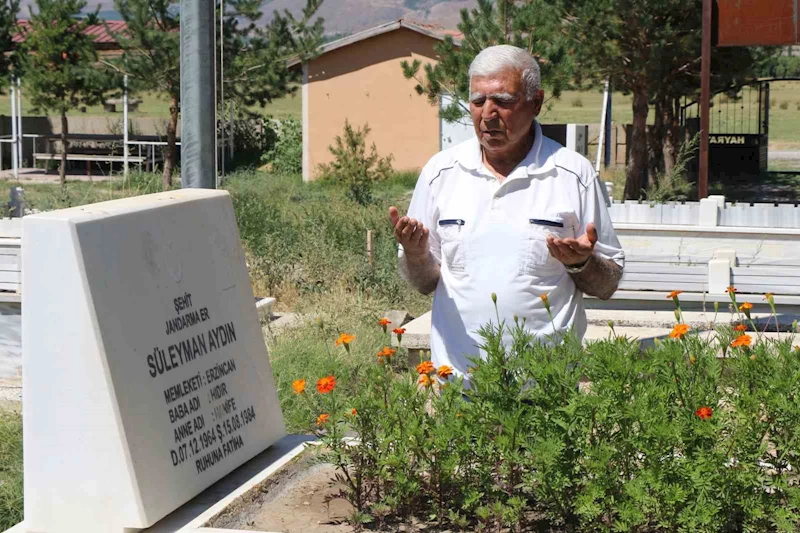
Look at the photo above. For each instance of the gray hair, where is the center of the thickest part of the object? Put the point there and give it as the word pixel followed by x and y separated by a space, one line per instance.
pixel 501 57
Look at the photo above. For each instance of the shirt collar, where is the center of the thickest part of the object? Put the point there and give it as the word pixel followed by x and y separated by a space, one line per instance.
pixel 471 156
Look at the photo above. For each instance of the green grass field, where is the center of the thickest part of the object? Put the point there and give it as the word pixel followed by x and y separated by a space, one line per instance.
pixel 579 107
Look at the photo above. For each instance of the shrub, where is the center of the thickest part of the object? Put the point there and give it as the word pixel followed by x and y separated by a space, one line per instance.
pixel 784 104
pixel 577 102
pixel 286 154
pixel 675 185
pixel 353 166
pixel 673 439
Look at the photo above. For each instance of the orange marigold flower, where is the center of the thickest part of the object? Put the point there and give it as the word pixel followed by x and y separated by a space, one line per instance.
pixel 745 307
pixel 399 331
pixel 679 331
pixel 740 328
pixel 326 384
pixel 741 340
pixel 444 371
pixel 353 411
pixel 322 419
pixel 299 386
pixel 387 352
pixel 384 322
pixel 425 367
pixel 424 380
pixel 673 294
pixel 704 413
pixel 345 338
pixel 731 289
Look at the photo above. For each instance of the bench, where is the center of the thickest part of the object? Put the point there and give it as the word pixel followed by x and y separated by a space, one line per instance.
pixel 90 158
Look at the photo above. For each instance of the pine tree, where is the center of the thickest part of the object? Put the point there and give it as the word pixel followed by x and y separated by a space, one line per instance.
pixel 532 25
pixel 151 58
pixel 60 64
pixel 9 62
pixel 647 48
pixel 255 55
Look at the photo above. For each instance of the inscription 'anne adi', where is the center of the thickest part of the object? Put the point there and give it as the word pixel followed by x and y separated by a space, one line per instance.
pixel 162 361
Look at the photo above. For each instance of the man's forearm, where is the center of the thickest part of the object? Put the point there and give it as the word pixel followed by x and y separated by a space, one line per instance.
pixel 421 272
pixel 600 278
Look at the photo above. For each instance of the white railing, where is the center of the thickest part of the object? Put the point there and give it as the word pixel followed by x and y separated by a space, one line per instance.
pixel 712 211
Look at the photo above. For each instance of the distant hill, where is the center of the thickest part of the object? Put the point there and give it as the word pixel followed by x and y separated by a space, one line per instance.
pixel 341 16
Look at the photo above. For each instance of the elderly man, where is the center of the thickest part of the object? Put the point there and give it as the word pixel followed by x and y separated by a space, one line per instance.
pixel 509 212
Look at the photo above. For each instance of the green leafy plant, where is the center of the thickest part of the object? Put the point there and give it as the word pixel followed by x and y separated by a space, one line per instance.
pixel 286 153
pixel 695 434
pixel 675 185
pixel 353 166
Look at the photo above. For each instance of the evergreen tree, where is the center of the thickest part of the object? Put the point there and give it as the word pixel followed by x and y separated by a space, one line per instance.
pixel 651 50
pixel 151 58
pixel 9 62
pixel 256 55
pixel 647 48
pixel 533 25
pixel 255 59
pixel 60 64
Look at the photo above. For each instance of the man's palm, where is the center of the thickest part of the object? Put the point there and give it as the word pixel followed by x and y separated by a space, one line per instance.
pixel 410 233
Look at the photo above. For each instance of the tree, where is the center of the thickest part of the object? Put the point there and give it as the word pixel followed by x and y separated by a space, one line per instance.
pixel 60 64
pixel 9 62
pixel 255 67
pixel 255 55
pixel 532 25
pixel 651 50
pixel 647 48
pixel 151 58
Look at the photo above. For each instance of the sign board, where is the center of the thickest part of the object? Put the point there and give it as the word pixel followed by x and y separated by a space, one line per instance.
pixel 146 377
pixel 757 22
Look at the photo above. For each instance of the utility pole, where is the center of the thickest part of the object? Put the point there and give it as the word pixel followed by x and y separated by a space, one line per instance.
pixel 198 112
pixel 705 96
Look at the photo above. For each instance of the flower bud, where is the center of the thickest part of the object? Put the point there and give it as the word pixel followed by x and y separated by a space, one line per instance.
pixel 494 298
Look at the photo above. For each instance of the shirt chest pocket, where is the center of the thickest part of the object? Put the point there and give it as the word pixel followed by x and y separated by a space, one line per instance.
pixel 452 236
pixel 535 259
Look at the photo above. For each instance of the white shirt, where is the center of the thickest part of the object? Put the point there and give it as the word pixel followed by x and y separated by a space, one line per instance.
pixel 489 238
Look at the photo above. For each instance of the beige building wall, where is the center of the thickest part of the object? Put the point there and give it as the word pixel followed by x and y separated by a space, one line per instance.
pixel 364 83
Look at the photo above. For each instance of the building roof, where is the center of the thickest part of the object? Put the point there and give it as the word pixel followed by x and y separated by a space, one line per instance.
pixel 431 30
pixel 102 38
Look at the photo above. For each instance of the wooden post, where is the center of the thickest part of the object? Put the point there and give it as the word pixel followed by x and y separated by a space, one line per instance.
pixel 705 96
pixel 370 249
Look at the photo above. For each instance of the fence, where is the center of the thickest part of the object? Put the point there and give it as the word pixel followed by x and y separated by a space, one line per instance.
pixel 712 211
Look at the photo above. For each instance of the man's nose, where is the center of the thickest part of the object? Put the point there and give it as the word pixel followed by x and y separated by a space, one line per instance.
pixel 489 110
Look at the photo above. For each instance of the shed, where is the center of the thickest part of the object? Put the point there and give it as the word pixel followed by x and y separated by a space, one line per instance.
pixel 359 79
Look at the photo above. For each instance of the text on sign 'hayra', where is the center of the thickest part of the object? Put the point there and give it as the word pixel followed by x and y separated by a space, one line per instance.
pixel 162 361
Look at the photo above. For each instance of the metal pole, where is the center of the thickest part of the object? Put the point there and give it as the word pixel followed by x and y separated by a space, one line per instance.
pixel 705 94
pixel 607 126
pixel 125 129
pixel 14 152
pixel 19 122
pixel 600 145
pixel 221 88
pixel 197 94
pixel 230 133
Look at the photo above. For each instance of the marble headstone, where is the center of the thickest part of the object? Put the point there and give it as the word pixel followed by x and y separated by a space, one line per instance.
pixel 146 377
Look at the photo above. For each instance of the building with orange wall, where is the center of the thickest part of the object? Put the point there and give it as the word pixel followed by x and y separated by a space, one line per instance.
pixel 359 79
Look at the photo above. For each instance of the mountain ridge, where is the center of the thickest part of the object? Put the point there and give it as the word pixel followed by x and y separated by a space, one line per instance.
pixel 342 16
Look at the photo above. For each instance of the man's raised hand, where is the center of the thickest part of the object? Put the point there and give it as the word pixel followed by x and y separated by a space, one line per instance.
pixel 410 233
pixel 573 251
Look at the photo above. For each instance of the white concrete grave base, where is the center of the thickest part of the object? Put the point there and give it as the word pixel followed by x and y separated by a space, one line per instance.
pixel 146 374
